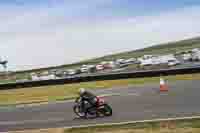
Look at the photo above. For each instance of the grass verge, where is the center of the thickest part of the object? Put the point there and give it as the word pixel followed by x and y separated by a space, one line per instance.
pixel 170 126
pixel 69 91
pixel 179 126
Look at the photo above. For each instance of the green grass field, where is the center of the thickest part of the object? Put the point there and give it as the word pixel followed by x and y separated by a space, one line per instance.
pixel 177 126
pixel 69 91
pixel 182 126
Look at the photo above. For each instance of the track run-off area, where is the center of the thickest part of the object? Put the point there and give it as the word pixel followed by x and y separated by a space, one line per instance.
pixel 132 103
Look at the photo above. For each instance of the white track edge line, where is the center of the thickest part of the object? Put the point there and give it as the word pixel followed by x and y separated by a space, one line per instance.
pixel 134 122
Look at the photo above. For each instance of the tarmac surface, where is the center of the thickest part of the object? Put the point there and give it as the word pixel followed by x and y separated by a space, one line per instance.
pixel 130 103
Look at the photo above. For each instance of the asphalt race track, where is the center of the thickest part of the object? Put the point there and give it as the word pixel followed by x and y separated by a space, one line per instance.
pixel 128 103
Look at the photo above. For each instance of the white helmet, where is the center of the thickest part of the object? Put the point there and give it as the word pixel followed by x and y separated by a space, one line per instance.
pixel 81 90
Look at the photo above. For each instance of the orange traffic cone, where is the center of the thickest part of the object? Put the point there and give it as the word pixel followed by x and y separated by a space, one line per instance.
pixel 163 86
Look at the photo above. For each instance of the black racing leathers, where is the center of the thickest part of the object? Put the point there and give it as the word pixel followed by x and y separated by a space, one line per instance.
pixel 88 97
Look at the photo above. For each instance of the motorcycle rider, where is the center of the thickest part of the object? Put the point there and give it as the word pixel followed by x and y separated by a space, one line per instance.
pixel 89 97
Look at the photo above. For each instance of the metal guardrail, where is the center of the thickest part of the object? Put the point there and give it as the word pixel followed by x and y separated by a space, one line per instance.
pixel 99 77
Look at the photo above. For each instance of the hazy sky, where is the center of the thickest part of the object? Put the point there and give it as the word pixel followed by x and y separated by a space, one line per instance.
pixel 40 33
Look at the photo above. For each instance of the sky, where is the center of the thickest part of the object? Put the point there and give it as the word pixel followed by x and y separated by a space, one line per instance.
pixel 42 33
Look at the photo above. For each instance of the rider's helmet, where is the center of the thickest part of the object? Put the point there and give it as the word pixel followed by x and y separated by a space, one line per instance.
pixel 81 90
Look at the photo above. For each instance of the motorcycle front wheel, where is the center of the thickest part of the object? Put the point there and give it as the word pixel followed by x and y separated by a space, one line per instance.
pixel 77 111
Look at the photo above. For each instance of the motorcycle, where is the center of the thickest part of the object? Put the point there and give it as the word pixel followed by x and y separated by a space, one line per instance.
pixel 101 109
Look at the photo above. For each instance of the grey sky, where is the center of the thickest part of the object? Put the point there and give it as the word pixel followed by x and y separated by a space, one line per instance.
pixel 36 38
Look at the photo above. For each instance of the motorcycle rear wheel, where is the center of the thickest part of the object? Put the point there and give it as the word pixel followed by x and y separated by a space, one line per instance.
pixel 107 110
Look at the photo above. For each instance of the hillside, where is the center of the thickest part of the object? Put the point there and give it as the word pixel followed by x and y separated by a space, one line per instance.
pixel 170 47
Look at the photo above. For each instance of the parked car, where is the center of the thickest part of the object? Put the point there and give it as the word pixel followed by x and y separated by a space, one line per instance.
pixel 147 56
pixel 187 57
pixel 99 67
pixel 146 62
pixel 120 61
pixel 173 62
pixel 34 77
pixel 47 77
pixel 84 69
pixel 71 72
pixel 196 56
pixel 131 60
pixel 60 73
pixel 109 65
pixel 92 69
